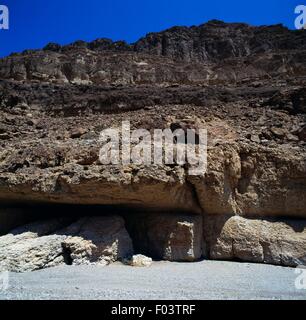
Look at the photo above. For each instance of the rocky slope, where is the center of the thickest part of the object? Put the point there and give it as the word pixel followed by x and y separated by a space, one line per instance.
pixel 244 84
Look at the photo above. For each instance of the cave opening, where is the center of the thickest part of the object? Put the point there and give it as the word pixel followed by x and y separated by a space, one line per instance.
pixel 173 236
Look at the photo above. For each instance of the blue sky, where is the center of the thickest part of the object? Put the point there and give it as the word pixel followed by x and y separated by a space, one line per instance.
pixel 33 23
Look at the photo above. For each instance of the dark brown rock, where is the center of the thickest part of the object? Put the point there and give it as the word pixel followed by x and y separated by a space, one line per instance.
pixel 77 133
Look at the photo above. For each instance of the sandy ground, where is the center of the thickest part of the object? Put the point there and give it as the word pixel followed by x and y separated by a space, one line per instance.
pixel 163 280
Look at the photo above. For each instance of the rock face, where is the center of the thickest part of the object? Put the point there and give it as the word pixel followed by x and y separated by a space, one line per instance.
pixel 173 237
pixel 216 40
pixel 244 84
pixel 215 51
pixel 99 240
pixel 251 180
pixel 95 240
pixel 32 247
pixel 280 242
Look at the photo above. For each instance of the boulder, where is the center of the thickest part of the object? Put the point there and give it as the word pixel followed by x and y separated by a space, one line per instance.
pixel 281 242
pixel 90 240
pixel 32 247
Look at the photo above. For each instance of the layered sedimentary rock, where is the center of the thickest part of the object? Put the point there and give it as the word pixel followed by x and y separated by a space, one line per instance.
pixel 253 180
pixel 244 84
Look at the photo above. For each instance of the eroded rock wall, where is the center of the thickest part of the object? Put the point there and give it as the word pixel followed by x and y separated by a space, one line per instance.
pixel 167 236
pixel 245 85
pixel 253 181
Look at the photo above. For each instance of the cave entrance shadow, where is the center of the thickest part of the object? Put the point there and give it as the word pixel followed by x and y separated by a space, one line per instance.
pixel 149 238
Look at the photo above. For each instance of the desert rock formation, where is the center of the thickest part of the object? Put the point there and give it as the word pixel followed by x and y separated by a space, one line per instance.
pixel 244 84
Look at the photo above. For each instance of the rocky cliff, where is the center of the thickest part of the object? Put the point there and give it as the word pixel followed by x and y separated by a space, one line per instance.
pixel 244 84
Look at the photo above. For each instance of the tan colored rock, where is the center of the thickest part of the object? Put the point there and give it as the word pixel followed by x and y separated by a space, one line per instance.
pixel 241 179
pixel 253 181
pixel 141 187
pixel 32 247
pixel 278 132
pixel 281 242
pixel 173 237
pixel 100 240
pixel 94 240
pixel 251 169
pixel 216 192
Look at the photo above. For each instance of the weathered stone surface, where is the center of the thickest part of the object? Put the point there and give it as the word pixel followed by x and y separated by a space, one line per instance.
pixel 32 247
pixel 199 53
pixel 173 237
pixel 139 260
pixel 98 240
pixel 55 102
pixel 280 242
pixel 251 180
pixel 216 40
